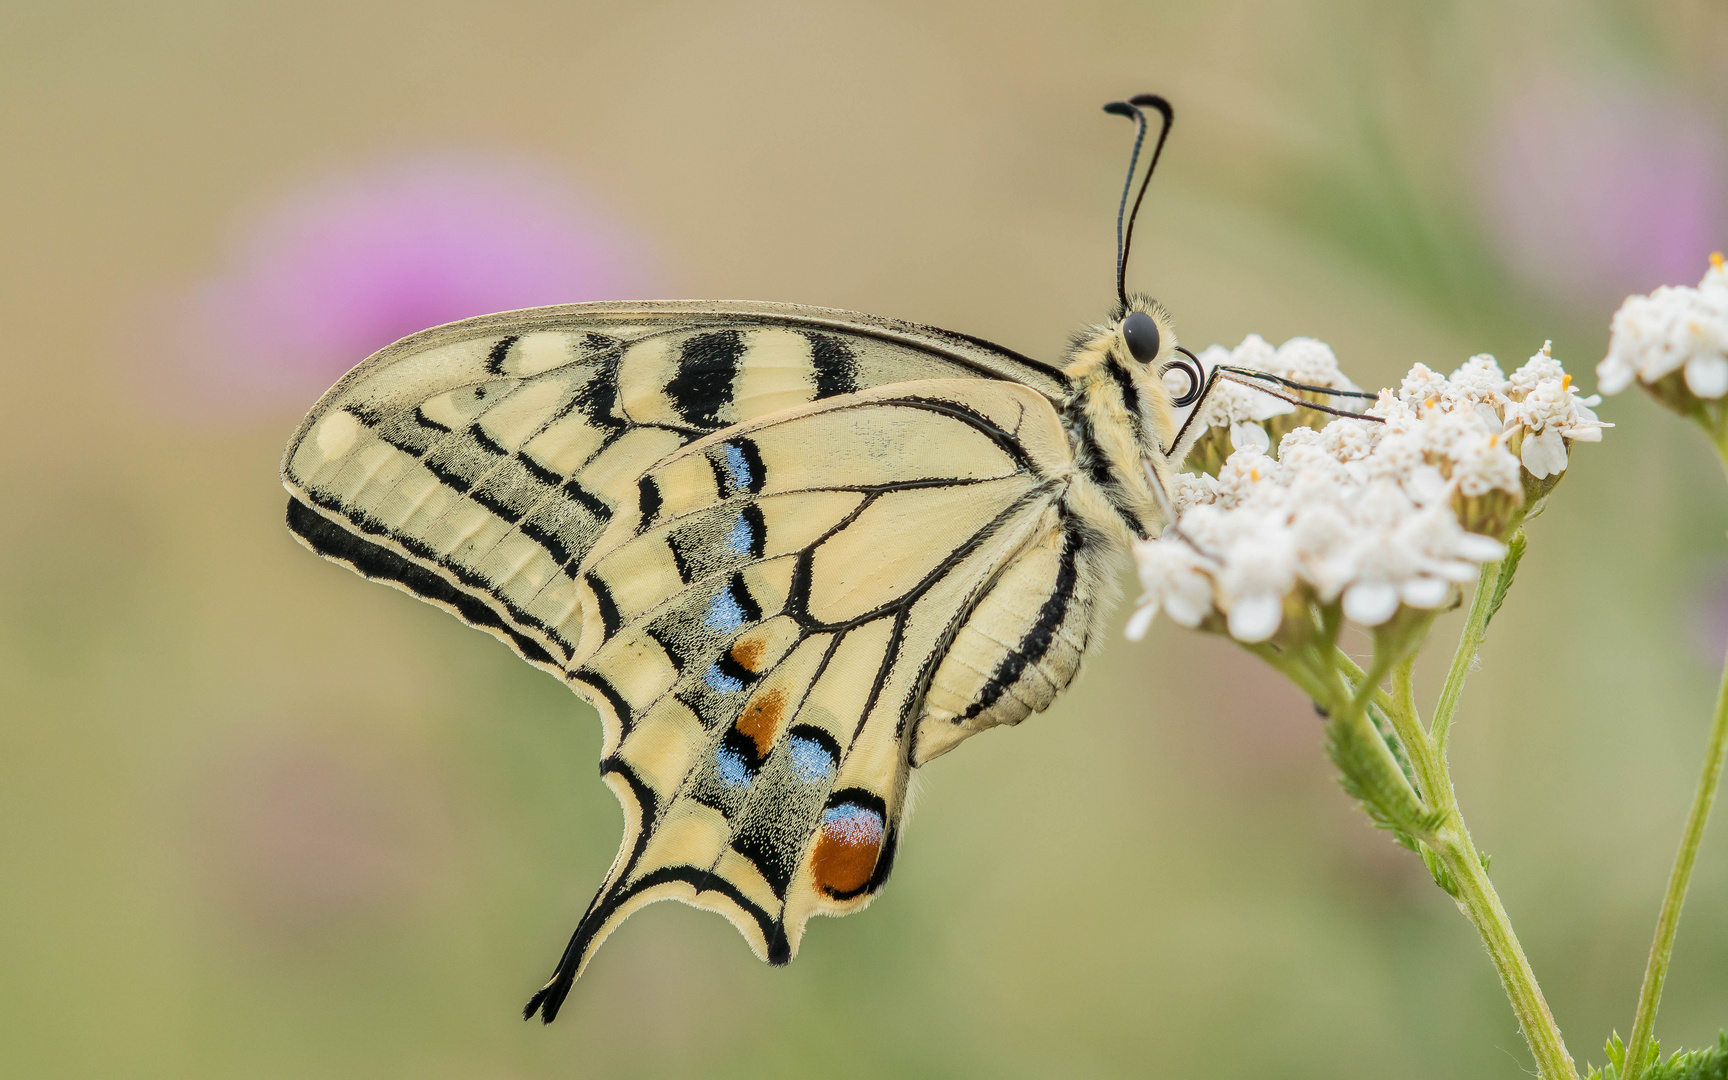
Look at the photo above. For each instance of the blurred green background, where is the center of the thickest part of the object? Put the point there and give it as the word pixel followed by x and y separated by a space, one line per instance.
pixel 263 819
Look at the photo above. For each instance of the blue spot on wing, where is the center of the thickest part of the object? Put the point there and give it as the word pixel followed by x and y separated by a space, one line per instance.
pixel 742 537
pixel 719 680
pixel 724 612
pixel 811 761
pixel 739 466
pixel 734 772
pixel 853 824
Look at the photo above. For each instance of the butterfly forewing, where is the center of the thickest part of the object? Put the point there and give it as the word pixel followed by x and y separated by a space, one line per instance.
pixel 786 553
pixel 495 451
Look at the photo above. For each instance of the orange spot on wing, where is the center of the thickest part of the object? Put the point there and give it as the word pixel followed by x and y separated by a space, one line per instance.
pixel 847 848
pixel 761 720
pixel 749 654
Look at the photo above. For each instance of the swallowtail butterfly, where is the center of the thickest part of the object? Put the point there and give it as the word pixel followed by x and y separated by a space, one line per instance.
pixel 789 554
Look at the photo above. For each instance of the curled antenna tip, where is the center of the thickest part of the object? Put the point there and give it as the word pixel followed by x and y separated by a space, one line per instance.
pixel 1119 108
pixel 1154 101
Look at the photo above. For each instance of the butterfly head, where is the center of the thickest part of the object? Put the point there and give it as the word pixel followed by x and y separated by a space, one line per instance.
pixel 1143 338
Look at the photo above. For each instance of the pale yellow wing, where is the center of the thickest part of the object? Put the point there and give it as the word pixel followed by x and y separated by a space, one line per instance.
pixel 786 557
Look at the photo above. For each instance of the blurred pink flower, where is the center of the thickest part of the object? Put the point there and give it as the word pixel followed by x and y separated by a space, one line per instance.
pixel 347 265
pixel 1595 191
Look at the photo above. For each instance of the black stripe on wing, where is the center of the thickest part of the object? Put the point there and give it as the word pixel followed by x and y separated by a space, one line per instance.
pixel 1036 642
pixel 707 365
pixel 332 541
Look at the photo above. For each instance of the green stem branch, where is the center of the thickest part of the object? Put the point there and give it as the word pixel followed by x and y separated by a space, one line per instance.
pixel 1355 674
pixel 1481 905
pixel 1425 760
pixel 1668 923
pixel 1454 849
pixel 1469 641
pixel 1325 674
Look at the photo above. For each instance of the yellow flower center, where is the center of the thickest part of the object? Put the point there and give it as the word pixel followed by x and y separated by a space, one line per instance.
pixel 1716 259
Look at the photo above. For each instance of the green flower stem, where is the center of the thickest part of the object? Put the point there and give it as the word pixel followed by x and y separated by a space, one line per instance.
pixel 1718 433
pixel 1291 668
pixel 1425 758
pixel 1325 674
pixel 1355 674
pixel 1668 923
pixel 1481 905
pixel 1452 846
pixel 1469 641
pixel 1345 701
pixel 1477 899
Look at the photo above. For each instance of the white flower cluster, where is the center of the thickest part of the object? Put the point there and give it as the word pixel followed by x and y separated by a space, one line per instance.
pixel 1234 406
pixel 1360 513
pixel 1672 329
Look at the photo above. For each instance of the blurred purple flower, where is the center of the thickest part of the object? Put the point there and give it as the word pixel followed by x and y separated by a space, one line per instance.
pixel 1597 191
pixel 342 268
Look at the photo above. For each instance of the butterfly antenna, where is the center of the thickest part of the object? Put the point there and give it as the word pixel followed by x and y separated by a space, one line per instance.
pixel 1124 217
pixel 1122 108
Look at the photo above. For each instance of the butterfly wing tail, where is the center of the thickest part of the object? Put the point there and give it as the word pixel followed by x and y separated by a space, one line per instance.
pixel 550 998
pixel 596 923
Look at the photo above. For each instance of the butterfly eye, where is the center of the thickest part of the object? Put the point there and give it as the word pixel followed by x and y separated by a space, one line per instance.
pixel 1183 378
pixel 1141 333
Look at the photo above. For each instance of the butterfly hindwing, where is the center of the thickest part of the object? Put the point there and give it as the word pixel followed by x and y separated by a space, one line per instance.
pixel 777 624
pixel 788 554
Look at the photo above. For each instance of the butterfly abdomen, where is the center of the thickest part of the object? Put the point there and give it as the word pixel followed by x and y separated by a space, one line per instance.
pixel 1024 642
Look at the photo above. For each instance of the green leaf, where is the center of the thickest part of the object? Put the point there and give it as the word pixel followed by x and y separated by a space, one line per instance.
pixel 1508 567
pixel 1616 1051
pixel 1442 876
pixel 1368 777
pixel 1711 1064
pixel 1384 727
pixel 1708 1064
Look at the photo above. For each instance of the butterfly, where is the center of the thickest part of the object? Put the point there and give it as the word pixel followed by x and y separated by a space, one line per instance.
pixel 788 554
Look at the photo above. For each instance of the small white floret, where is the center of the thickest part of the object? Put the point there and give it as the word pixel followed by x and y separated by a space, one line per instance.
pixel 1544 453
pixel 1370 602
pixel 1256 618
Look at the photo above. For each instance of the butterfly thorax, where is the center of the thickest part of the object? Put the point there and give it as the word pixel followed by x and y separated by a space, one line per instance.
pixel 1119 421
